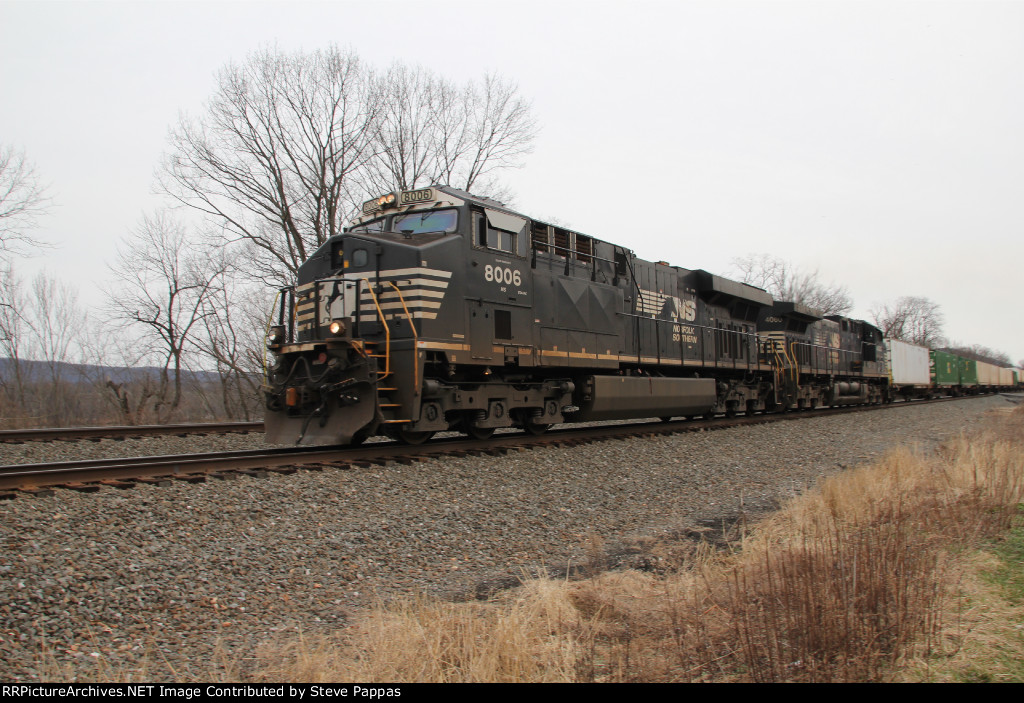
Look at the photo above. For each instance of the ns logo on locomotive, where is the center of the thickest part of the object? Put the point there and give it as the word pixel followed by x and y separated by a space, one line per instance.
pixel 441 310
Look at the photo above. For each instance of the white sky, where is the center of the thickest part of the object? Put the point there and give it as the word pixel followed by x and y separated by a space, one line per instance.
pixel 879 142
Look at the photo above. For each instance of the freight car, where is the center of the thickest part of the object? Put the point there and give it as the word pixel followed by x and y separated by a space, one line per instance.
pixel 440 310
pixel 919 372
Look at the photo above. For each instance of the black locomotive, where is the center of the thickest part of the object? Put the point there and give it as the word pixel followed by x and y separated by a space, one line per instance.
pixel 443 310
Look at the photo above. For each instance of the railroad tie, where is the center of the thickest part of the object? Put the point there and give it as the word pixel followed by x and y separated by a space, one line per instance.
pixel 115 483
pixel 159 481
pixel 80 487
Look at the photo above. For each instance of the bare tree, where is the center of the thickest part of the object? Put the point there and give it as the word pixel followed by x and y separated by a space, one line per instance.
pixel 13 328
pixel 786 282
pixel 22 200
pixel 237 316
pixel 58 325
pixel 42 330
pixel 911 319
pixel 270 159
pixel 289 143
pixel 433 131
pixel 405 134
pixel 164 282
pixel 501 132
pixel 114 368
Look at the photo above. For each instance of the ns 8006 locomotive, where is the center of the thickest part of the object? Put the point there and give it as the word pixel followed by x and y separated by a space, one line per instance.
pixel 441 310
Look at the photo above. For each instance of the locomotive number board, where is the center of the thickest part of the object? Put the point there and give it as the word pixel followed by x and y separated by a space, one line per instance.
pixel 423 195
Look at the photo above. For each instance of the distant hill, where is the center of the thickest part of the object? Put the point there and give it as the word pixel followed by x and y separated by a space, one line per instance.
pixel 39 372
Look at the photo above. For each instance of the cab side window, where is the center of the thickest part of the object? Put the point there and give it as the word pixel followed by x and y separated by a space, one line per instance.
pixel 501 240
pixel 488 236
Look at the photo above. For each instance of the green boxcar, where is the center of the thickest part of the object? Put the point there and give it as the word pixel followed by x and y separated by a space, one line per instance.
pixel 945 370
pixel 968 372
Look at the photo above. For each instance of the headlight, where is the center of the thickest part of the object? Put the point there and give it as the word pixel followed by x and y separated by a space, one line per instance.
pixel 276 336
pixel 337 328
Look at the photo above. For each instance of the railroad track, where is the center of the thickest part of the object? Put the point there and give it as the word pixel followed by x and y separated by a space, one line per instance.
pixel 91 475
pixel 76 434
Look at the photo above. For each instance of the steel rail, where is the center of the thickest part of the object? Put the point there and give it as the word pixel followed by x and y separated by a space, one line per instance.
pixel 48 434
pixel 78 474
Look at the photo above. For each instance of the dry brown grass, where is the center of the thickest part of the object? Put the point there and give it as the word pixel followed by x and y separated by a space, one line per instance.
pixel 843 584
pixel 851 578
pixel 527 635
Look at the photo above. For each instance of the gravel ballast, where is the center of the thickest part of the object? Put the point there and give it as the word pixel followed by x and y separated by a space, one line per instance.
pixel 161 583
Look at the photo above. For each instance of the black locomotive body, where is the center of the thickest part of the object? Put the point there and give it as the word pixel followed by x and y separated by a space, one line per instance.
pixel 442 310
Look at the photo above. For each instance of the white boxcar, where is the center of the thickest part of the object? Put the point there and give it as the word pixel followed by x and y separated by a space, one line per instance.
pixel 988 374
pixel 908 363
pixel 1006 377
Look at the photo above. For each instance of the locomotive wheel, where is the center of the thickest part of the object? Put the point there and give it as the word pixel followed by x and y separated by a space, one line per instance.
pixel 535 429
pixel 358 438
pixel 665 418
pixel 479 432
pixel 412 437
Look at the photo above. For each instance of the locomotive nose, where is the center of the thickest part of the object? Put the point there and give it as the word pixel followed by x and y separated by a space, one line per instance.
pixel 324 395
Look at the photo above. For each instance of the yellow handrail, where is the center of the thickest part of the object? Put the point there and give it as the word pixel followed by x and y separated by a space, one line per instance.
pixel 415 342
pixel 796 365
pixel 779 368
pixel 387 330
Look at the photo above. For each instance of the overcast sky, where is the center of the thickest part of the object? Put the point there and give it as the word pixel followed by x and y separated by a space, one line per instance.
pixel 881 143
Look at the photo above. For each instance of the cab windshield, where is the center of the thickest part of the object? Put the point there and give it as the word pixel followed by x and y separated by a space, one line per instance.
pixel 429 221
